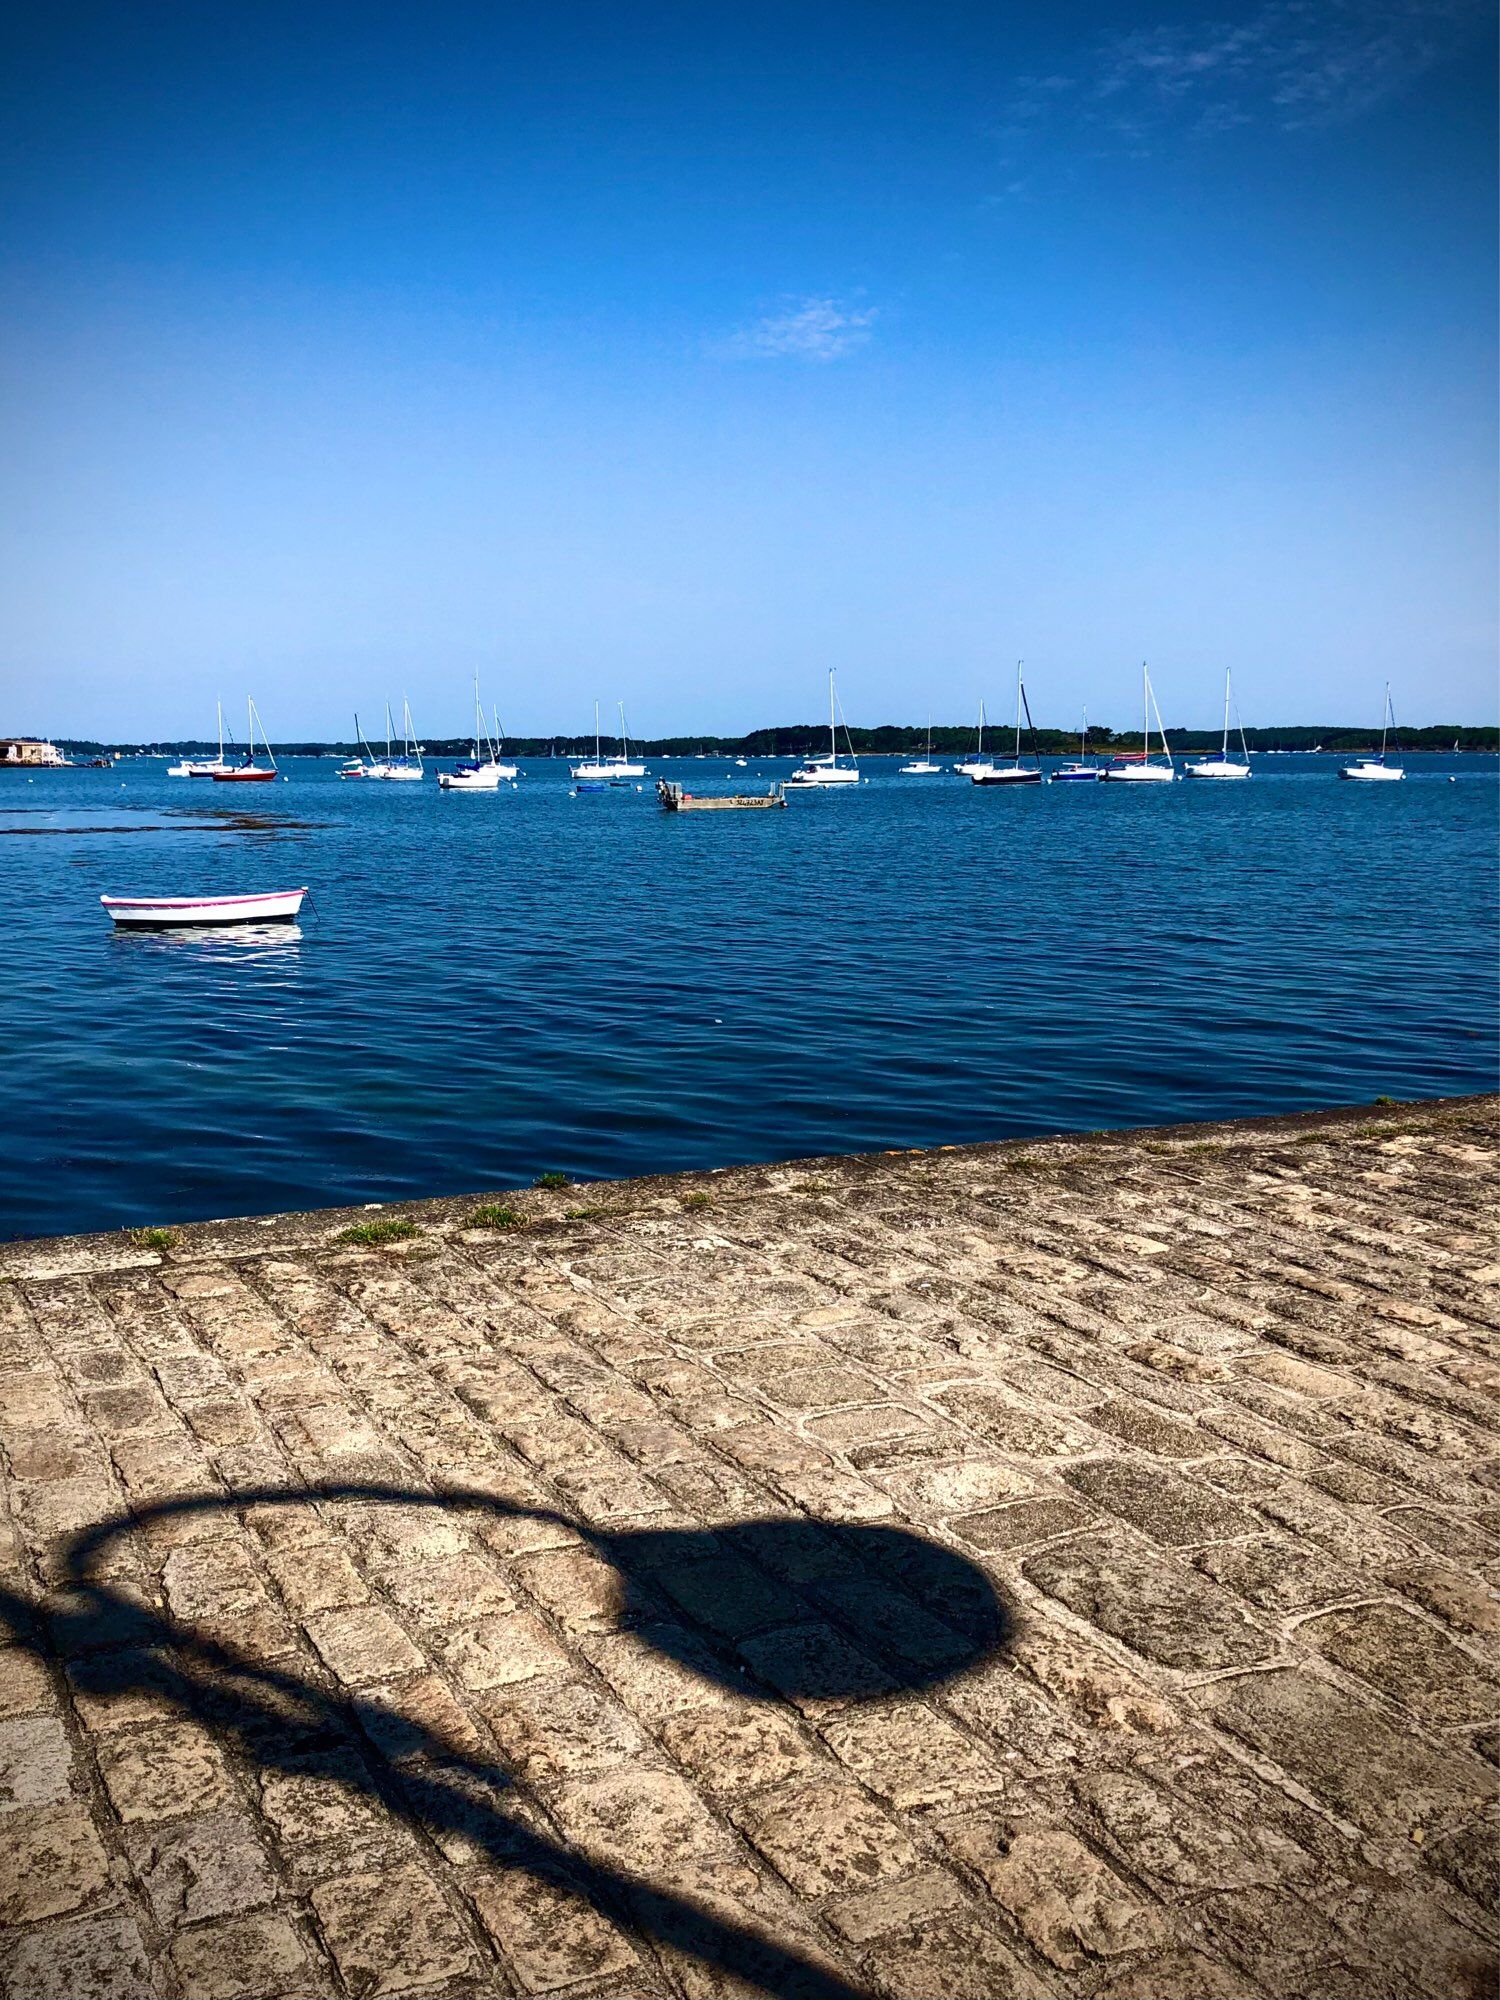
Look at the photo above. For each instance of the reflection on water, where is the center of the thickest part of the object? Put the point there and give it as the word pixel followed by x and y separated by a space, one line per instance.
pixel 226 942
pixel 586 984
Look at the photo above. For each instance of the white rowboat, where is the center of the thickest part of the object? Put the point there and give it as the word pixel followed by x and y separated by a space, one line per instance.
pixel 155 912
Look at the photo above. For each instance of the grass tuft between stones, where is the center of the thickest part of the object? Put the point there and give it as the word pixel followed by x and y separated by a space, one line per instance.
pixel 552 1180
pixel 388 1229
pixel 494 1215
pixel 698 1200
pixel 152 1239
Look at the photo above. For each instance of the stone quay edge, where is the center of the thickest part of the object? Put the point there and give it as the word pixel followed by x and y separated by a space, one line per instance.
pixel 1061 1567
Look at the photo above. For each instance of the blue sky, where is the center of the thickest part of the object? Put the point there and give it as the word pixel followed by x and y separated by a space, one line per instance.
pixel 677 353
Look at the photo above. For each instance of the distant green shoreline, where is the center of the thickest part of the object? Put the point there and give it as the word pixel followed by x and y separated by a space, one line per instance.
pixel 890 740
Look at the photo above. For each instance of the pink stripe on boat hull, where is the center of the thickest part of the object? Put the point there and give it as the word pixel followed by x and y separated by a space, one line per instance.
pixel 195 902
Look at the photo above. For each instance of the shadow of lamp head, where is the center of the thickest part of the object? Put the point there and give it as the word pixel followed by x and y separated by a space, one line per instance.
pixel 818 1609
pixel 807 1604
pixel 775 1609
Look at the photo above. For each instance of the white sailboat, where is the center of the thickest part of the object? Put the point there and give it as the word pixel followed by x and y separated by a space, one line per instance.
pixel 202 767
pixel 1126 770
pixel 816 771
pixel 978 764
pixel 497 743
pixel 602 770
pixel 362 765
pixel 923 767
pixel 1375 770
pixel 407 768
pixel 485 772
pixel 1223 766
pixel 1081 773
pixel 249 772
pixel 1015 772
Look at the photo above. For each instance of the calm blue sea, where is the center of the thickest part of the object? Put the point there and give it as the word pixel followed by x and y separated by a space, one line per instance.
pixel 488 987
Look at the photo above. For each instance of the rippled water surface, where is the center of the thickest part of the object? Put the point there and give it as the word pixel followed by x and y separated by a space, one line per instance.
pixel 487 987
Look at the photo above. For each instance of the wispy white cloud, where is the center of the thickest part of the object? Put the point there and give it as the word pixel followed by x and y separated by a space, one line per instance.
pixel 1293 64
pixel 805 330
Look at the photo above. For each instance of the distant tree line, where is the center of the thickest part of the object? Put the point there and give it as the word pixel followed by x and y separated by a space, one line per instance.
pixel 889 739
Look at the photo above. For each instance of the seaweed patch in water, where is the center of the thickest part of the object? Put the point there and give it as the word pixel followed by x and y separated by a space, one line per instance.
pixel 169 819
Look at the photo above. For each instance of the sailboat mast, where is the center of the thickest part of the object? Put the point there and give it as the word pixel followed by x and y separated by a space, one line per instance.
pixel 624 738
pixel 833 740
pixel 597 752
pixel 1145 714
pixel 1385 721
pixel 1224 752
pixel 1019 665
pixel 220 706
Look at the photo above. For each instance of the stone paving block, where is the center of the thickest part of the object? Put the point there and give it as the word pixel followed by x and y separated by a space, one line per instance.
pixel 211 1865
pixel 815 1668
pixel 1408 1660
pixel 244 1958
pixel 1383 1779
pixel 1164 1838
pixel 362 1643
pixel 549 1934
pixel 639 1820
pixel 1022 1524
pixel 766 1925
pixel 1150 1430
pixel 391 1931
pixel 865 1424
pixel 326 1815
pixel 1173 1510
pixel 34 1763
pixel 447 1588
pixel 51 1863
pixel 732 1751
pixel 102 1959
pixel 1181 1974
pixel 826 1837
pixel 1013 1428
pixel 865 1914
pixel 659 1670
pixel 1463 1602
pixel 25 1685
pixel 163 1772
pixel 909 1755
pixel 420 1717
pixel 1393 1921
pixel 1285 1946
pixel 582 1592
pixel 1028 1732
pixel 317 1578
pixel 723 1595
pixel 1063 1899
pixel 1275 1573
pixel 930 1493
pixel 1175 1619
pixel 549 1730
pixel 958 1958
pixel 492 1652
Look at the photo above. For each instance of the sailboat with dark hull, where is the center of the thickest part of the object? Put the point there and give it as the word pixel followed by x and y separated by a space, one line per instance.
pixel 1015 772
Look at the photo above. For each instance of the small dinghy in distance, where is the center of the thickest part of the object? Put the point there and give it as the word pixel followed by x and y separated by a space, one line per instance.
pixel 160 912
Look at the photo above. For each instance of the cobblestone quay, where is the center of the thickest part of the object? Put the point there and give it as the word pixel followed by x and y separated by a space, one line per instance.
pixel 1060 1568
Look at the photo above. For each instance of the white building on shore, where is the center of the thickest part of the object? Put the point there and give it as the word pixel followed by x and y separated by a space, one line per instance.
pixel 31 751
